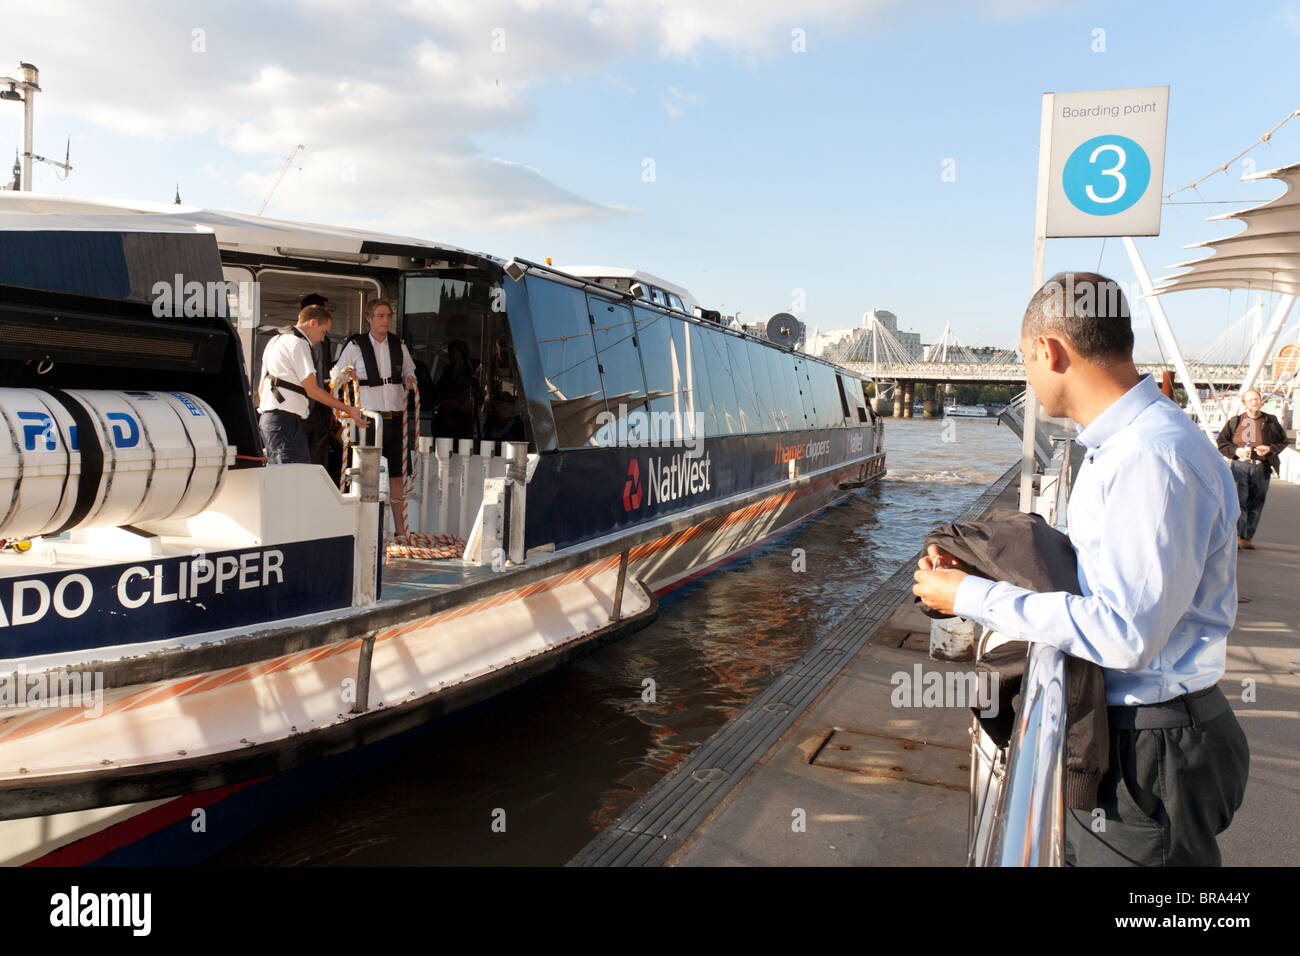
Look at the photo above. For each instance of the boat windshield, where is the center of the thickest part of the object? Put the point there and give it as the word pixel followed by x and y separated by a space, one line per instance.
pixel 456 329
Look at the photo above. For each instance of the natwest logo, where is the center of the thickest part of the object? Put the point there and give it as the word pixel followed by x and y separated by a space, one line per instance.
pixel 678 476
pixel 668 478
pixel 632 490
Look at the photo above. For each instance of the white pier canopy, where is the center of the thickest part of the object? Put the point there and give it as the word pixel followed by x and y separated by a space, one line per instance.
pixel 1264 256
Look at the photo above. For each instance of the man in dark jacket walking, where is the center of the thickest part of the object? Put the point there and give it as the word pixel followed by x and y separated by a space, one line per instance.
pixel 1252 442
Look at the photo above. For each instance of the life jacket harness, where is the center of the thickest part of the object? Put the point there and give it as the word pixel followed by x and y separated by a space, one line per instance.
pixel 278 383
pixel 366 344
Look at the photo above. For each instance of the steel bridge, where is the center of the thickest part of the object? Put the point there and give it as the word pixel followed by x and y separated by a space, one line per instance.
pixel 1211 376
pixel 899 384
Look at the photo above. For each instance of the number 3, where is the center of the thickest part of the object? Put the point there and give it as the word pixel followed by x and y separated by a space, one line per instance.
pixel 1113 171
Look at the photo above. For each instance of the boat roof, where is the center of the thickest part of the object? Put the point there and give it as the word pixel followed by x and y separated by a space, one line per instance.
pixel 245 232
pixel 622 272
pixel 233 230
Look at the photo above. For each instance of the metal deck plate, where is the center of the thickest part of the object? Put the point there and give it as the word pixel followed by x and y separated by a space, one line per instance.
pixel 896 758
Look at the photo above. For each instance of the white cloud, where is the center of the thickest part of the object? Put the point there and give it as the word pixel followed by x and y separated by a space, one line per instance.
pixel 389 97
pixel 676 101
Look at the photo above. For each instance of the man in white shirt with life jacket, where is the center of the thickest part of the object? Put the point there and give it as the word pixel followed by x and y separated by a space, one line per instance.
pixel 384 371
pixel 288 380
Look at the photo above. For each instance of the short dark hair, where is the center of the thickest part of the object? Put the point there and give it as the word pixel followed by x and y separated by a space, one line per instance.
pixel 1088 310
pixel 314 313
pixel 314 298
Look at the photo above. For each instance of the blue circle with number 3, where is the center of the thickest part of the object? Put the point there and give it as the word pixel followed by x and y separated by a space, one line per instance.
pixel 1106 175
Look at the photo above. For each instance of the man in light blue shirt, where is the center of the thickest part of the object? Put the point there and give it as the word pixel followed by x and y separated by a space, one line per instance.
pixel 1153 520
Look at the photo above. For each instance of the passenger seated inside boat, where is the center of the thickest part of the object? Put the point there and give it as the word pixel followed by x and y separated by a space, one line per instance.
pixel 504 408
pixel 458 397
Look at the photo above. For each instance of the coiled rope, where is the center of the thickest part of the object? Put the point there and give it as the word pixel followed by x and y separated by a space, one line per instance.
pixel 413 544
pixel 426 547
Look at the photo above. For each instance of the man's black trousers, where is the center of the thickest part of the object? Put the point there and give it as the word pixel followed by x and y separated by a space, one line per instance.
pixel 1167 794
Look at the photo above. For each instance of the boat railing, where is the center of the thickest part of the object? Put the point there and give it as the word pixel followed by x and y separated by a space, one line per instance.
pixel 1017 794
pixel 1045 433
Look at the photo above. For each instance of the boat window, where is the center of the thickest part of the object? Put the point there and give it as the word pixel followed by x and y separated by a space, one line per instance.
pixel 762 385
pixel 786 405
pixel 663 375
pixel 622 285
pixel 458 343
pixel 676 303
pixel 658 296
pixel 828 400
pixel 568 353
pixel 816 381
pixel 858 398
pixel 280 292
pixel 805 388
pixel 713 362
pixel 844 398
pixel 794 402
pixel 619 363
pixel 750 416
pixel 699 399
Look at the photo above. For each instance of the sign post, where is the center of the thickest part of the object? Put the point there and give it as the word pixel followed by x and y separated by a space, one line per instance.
pixel 1101 160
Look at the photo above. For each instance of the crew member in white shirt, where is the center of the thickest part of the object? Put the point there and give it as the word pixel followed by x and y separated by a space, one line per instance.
pixel 288 380
pixel 382 389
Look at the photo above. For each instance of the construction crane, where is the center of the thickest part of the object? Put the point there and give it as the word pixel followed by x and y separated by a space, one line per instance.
pixel 276 185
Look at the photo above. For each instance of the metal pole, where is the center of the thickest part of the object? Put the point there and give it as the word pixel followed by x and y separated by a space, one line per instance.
pixel 618 588
pixel 28 92
pixel 1280 313
pixel 1163 328
pixel 363 675
pixel 1040 254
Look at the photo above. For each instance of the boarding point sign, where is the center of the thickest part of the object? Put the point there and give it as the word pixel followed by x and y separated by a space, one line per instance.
pixel 1107 161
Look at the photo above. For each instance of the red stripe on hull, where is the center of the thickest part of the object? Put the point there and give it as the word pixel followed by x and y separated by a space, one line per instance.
pixel 91 848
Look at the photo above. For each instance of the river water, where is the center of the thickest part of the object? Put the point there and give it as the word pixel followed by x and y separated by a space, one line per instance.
pixel 531 778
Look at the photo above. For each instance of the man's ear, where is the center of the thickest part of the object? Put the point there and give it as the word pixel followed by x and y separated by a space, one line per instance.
pixel 1053 352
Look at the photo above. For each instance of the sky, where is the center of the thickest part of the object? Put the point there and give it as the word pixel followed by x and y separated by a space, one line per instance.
pixel 820 157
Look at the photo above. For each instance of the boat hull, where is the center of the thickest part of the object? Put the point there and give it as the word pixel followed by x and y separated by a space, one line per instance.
pixel 78 817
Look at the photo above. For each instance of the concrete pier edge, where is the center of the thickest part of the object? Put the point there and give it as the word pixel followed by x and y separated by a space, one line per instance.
pixel 655 827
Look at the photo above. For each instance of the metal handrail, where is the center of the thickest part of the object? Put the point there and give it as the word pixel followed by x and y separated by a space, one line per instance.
pixel 1028 825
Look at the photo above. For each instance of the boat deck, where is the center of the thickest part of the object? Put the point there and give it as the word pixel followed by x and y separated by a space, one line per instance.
pixel 821 769
pixel 407 578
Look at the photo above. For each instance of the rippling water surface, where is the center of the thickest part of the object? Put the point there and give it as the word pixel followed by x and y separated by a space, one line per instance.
pixel 557 761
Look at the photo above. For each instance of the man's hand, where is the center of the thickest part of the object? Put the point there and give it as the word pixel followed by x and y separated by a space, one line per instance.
pixel 937 589
pixel 936 557
pixel 1263 449
pixel 1243 453
pixel 354 412
pixel 938 576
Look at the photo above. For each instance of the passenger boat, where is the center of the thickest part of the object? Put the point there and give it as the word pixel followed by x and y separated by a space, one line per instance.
pixel 185 625
pixel 965 411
